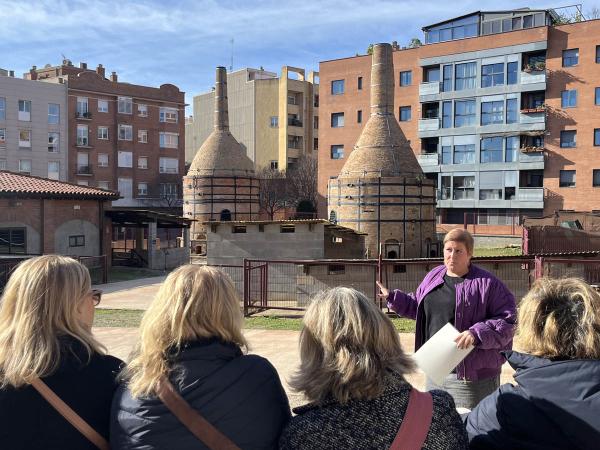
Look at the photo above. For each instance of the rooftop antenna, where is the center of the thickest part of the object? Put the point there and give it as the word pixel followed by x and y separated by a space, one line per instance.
pixel 231 65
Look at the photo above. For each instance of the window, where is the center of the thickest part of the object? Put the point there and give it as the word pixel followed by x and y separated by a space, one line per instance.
pixel 125 159
pixel 103 106
pixel 168 140
pixel 2 164
pixel 597 54
pixel 82 136
pixel 2 137
pixel 77 241
pixel 25 110
pixel 167 115
pixel 464 154
pixel 359 83
pixel 82 107
pixel 512 111
pixel 143 136
pixel 316 122
pixel 567 178
pixel 103 133
pixel 287 228
pixel 274 165
pixel 431 74
pixel 447 76
pixel 570 57
pixel 597 137
pixel 274 121
pixel 143 188
pixel 359 116
pixel 465 76
pixel 464 188
pixel 492 75
pixel 125 132
pixel 568 138
pixel 492 112
pixel 125 105
pixel 142 110
pixel 143 162
pixel 405 113
pixel 238 229
pixel 168 165
pixel 2 108
pixel 597 96
pixel 103 184
pixel 336 269
pixel 568 99
pixel 53 142
pixel 12 240
pixel 511 72
pixel 337 120
pixel 169 190
pixel 464 113
pixel 83 182
pixel 406 78
pixel 596 178
pixel 125 187
pixel 337 151
pixel 53 113
pixel 447 115
pixel 54 170
pixel 102 159
pixel 83 164
pixel 25 138
pixel 446 154
pixel 512 147
pixel 491 150
pixel 25 165
pixel 337 87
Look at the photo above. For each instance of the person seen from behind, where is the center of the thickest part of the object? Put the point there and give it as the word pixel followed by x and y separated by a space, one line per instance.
pixel 479 306
pixel 352 371
pixel 556 401
pixel 46 316
pixel 191 341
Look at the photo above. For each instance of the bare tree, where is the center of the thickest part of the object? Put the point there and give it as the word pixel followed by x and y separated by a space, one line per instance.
pixel 302 180
pixel 593 13
pixel 273 190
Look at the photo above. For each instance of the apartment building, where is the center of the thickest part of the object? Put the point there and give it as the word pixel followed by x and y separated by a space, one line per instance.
pixel 33 127
pixel 122 136
pixel 502 110
pixel 274 118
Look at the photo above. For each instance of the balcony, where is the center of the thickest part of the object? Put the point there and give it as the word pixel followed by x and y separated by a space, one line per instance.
pixel 529 116
pixel 428 159
pixel 431 88
pixel 536 155
pixel 83 142
pixel 83 115
pixel 84 170
pixel 429 124
pixel 533 76
pixel 294 122
pixel 530 194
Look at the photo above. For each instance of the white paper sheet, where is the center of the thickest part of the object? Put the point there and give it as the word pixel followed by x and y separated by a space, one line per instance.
pixel 439 355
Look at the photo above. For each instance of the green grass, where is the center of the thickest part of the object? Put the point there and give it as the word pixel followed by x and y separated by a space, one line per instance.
pixel 499 251
pixel 120 273
pixel 126 318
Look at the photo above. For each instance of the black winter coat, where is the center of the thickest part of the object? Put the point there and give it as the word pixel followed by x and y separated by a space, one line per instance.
pixel 29 422
pixel 241 395
pixel 556 405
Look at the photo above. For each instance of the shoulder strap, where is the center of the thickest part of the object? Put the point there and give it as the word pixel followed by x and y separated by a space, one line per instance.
pixel 193 421
pixel 71 416
pixel 417 420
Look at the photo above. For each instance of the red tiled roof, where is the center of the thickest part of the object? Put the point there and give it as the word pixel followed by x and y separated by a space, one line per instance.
pixel 16 184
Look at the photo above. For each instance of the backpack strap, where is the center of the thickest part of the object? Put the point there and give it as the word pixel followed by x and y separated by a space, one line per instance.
pixel 192 419
pixel 71 416
pixel 416 422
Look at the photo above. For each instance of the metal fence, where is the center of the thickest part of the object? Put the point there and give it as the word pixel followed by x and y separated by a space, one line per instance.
pixel 97 266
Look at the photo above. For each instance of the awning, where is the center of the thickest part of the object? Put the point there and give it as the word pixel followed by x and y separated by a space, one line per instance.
pixel 136 218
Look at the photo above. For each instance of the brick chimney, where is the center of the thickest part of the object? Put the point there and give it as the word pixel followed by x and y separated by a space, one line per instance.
pixel 33 73
pixel 101 71
pixel 113 77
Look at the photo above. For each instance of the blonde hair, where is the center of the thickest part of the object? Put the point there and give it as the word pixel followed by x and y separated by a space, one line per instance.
pixel 38 307
pixel 193 302
pixel 560 318
pixel 346 347
pixel 460 235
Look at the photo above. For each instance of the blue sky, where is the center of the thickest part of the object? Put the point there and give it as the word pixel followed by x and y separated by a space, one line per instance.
pixel 182 41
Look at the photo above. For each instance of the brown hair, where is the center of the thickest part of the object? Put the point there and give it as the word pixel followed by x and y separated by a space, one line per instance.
pixel 560 318
pixel 460 235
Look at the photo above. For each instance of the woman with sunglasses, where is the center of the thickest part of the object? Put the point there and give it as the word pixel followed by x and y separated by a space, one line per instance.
pixel 46 343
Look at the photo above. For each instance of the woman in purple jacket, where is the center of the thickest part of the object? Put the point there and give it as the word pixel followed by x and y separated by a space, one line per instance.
pixel 473 300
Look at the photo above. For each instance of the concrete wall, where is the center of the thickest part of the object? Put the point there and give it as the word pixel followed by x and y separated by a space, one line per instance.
pixel 40 94
pixel 77 227
pixel 168 258
pixel 266 101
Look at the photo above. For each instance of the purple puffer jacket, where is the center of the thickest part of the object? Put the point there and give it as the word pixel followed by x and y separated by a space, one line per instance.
pixel 484 306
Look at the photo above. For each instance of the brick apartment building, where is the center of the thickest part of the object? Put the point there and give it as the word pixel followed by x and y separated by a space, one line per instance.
pixel 502 110
pixel 123 136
